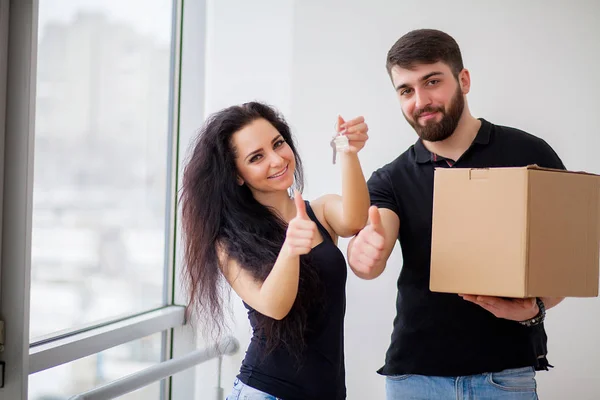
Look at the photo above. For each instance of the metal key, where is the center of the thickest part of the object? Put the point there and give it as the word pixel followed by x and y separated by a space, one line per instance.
pixel 332 144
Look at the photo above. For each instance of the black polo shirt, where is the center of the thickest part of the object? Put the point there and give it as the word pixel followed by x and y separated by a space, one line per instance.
pixel 439 333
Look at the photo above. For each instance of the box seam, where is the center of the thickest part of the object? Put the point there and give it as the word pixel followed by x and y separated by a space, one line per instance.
pixel 526 255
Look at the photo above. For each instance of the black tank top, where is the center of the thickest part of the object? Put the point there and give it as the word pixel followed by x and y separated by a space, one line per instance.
pixel 321 374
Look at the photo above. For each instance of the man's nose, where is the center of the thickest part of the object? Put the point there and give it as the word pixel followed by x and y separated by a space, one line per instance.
pixel 422 99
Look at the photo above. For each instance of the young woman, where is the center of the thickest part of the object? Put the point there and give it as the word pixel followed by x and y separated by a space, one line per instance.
pixel 278 253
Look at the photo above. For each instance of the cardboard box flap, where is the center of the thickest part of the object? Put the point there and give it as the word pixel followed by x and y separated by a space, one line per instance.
pixel 537 167
pixel 480 172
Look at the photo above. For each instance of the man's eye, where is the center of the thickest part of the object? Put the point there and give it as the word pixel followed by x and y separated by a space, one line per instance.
pixel 404 92
pixel 433 82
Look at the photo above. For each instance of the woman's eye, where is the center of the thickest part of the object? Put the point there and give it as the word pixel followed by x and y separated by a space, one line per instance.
pixel 278 143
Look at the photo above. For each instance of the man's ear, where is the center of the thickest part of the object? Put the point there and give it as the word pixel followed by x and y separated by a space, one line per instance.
pixel 464 78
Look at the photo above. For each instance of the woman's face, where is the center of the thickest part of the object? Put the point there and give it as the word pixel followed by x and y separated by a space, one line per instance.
pixel 264 161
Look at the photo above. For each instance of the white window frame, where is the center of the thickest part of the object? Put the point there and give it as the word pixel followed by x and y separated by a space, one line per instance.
pixel 18 61
pixel 192 109
pixel 17 199
pixel 4 5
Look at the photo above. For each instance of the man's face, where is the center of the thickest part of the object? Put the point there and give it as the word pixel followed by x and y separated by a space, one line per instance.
pixel 432 100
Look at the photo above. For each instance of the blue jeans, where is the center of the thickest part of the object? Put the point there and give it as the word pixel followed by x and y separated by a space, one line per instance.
pixel 510 384
pixel 241 391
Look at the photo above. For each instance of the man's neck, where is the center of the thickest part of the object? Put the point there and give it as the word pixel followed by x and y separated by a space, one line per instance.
pixel 462 138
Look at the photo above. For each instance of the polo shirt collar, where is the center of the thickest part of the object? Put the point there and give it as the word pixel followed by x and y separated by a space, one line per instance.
pixel 483 137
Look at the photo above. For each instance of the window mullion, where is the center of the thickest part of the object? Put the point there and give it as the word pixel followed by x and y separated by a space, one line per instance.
pixel 18 193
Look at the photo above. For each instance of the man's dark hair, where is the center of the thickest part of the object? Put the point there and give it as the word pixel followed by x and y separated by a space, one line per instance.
pixel 425 46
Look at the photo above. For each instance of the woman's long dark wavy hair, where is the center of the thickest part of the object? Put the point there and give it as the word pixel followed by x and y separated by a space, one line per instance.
pixel 217 210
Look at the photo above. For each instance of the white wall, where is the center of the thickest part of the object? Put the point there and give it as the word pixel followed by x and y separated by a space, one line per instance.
pixel 533 66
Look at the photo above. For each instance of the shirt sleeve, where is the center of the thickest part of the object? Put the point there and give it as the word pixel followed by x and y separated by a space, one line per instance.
pixel 548 157
pixel 381 191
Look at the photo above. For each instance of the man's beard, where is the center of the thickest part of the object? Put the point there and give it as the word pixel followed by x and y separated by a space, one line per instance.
pixel 437 131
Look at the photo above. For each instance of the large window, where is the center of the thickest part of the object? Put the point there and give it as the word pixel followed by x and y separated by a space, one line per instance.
pixel 89 291
pixel 101 161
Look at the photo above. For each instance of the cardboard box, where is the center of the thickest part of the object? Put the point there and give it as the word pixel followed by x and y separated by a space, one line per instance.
pixel 515 232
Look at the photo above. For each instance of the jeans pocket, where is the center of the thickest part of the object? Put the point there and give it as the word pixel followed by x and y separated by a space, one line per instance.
pixel 235 392
pixel 515 380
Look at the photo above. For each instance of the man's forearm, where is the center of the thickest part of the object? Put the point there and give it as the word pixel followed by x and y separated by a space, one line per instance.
pixel 550 302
